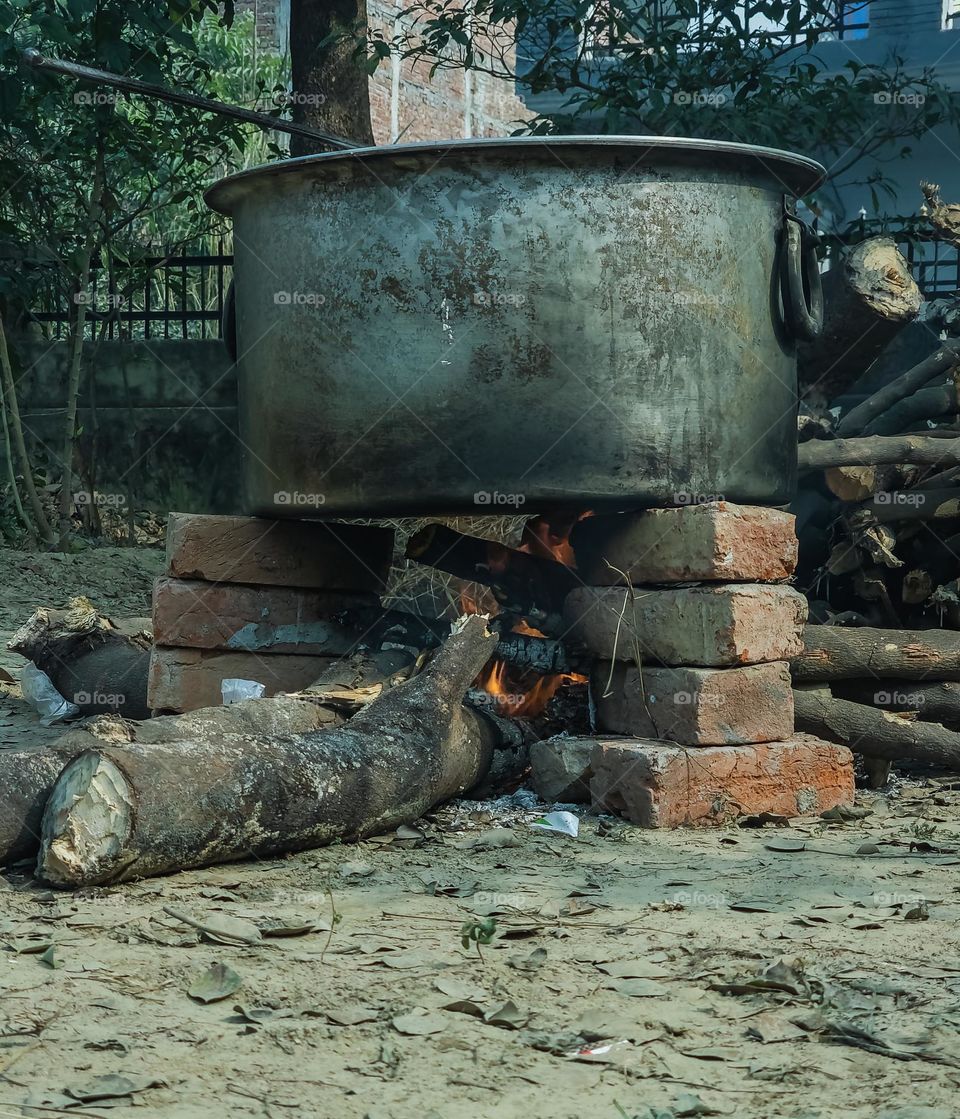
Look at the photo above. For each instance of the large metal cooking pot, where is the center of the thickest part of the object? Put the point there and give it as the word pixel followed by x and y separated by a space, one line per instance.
pixel 598 322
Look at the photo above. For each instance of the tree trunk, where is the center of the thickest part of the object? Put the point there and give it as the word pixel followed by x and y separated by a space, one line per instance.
pixel 75 360
pixel 12 409
pixel 118 813
pixel 867 730
pixel 869 296
pixel 835 653
pixel 27 776
pixel 330 85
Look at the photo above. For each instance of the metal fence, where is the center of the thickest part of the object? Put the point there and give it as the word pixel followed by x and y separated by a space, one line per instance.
pixel 170 295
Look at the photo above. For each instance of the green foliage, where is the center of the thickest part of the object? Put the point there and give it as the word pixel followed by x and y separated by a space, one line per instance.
pixel 478 932
pixel 744 70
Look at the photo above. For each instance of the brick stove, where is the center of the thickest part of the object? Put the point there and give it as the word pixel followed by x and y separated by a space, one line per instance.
pixel 682 617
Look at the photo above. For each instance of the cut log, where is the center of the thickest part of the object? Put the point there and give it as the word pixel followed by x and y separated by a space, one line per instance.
pixel 932 703
pixel 117 813
pixel 870 731
pixel 936 365
pixel 869 296
pixel 921 450
pixel 913 411
pixel 526 586
pixel 915 505
pixel 27 776
pixel 93 662
pixel 835 653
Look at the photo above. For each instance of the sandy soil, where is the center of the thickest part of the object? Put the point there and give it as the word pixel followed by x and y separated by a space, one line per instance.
pixel 628 973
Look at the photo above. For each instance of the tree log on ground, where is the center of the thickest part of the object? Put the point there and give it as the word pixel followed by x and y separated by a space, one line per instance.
pixel 936 365
pixel 874 732
pixel 27 776
pixel 87 655
pixel 869 297
pixel 877 450
pixel 139 810
pixel 932 703
pixel 836 653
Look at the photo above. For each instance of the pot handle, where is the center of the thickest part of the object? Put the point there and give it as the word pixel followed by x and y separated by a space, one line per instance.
pixel 228 322
pixel 800 285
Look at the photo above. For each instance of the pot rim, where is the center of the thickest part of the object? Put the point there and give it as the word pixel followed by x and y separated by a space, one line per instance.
pixel 797 174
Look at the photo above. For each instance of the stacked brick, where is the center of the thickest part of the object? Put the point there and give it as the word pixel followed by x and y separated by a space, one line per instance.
pixel 255 599
pixel 691 621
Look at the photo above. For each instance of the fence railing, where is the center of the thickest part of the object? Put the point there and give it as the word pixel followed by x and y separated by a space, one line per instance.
pixel 172 295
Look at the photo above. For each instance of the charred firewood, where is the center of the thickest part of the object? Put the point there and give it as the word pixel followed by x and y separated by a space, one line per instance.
pixel 526 586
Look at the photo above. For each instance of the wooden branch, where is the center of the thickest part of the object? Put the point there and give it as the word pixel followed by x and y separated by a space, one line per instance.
pixel 877 450
pixel 915 505
pixel 926 404
pixel 869 296
pixel 936 365
pixel 870 731
pixel 122 812
pixel 835 653
pixel 525 585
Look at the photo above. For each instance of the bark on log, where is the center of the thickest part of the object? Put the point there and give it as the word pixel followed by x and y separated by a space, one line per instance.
pixel 926 404
pixel 525 585
pixel 933 703
pixel 875 450
pixel 87 655
pixel 835 653
pixel 117 813
pixel 936 365
pixel 870 731
pixel 27 776
pixel 915 505
pixel 868 298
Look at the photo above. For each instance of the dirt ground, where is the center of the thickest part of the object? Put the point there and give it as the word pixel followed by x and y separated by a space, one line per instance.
pixel 770 972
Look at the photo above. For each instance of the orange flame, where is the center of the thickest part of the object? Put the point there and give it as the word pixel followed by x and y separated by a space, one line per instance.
pixel 549 538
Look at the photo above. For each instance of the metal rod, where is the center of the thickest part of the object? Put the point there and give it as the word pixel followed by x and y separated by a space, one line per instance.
pixel 177 97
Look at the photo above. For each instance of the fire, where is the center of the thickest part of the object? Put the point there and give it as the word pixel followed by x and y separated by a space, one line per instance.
pixel 515 696
pixel 495 681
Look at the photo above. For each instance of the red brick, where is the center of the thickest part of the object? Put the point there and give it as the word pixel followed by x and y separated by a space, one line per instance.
pixel 739 623
pixel 658 786
pixel 278 553
pixel 187 679
pixel 695 706
pixel 240 618
pixel 717 541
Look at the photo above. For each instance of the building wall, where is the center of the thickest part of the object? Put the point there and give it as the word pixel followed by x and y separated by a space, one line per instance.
pixel 406 104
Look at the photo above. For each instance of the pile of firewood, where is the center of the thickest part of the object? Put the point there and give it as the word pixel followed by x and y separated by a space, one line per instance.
pixel 878 509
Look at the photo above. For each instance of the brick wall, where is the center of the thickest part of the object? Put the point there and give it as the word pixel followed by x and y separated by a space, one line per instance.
pixel 404 100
